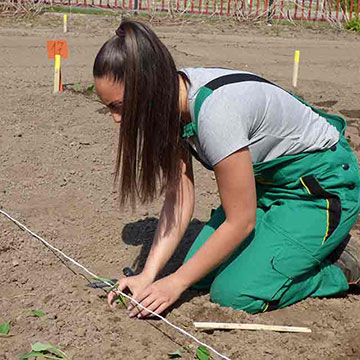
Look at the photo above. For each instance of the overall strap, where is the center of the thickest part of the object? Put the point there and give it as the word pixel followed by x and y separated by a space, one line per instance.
pixel 191 129
pixel 205 91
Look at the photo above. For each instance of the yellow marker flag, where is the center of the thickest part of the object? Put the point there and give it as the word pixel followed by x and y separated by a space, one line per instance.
pixel 57 49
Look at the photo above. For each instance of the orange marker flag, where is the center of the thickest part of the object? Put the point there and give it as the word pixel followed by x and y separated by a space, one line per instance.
pixel 56 50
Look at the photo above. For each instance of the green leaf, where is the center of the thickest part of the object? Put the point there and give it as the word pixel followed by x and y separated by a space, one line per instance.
pixel 104 280
pixel 121 299
pixel 37 354
pixel 202 353
pixel 5 328
pixel 48 348
pixel 90 87
pixel 38 313
pixel 31 354
pixel 42 347
pixel 46 351
pixel 353 24
pixel 176 354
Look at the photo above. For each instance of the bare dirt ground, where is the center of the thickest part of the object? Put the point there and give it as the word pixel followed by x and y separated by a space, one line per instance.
pixel 56 173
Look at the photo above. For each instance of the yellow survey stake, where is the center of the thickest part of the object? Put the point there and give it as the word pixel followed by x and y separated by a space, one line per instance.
pixel 297 56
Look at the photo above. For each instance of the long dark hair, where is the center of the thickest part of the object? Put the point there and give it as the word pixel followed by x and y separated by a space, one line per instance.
pixel 149 139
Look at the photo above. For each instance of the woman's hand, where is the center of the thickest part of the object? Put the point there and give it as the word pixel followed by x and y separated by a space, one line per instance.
pixel 136 284
pixel 157 297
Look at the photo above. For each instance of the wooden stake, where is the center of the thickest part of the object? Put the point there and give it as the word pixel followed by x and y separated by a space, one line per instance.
pixel 234 326
pixel 296 68
pixel 65 23
pixel 57 49
pixel 57 70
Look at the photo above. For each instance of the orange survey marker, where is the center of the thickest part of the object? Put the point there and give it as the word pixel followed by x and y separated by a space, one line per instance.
pixel 56 50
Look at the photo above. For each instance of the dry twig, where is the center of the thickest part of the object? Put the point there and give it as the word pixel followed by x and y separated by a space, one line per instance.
pixel 21 8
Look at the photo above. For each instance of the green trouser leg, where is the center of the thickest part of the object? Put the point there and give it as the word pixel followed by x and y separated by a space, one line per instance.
pixel 249 280
pixel 306 208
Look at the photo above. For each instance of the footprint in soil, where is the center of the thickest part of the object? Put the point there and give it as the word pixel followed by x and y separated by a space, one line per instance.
pixel 350 113
pixel 326 103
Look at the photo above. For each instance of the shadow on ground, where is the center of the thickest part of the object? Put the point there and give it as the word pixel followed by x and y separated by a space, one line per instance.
pixel 141 233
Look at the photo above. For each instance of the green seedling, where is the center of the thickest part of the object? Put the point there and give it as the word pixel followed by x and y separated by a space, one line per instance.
pixel 90 87
pixel 46 351
pixel 120 299
pixel 105 280
pixel 176 354
pixel 202 353
pixel 5 328
pixel 37 313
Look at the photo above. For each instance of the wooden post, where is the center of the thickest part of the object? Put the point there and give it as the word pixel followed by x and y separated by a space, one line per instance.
pixel 57 73
pixel 234 326
pixel 296 68
pixel 56 50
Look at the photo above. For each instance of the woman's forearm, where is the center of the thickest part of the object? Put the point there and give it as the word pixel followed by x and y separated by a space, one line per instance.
pixel 214 251
pixel 174 220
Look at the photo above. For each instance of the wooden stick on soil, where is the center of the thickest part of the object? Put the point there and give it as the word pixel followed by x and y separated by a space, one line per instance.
pixel 234 326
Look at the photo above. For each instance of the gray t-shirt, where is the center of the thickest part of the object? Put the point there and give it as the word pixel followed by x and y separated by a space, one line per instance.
pixel 258 115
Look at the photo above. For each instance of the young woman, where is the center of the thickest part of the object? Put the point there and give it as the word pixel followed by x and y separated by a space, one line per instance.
pixel 288 181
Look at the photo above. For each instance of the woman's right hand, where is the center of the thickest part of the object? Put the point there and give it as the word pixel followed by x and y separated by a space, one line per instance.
pixel 136 284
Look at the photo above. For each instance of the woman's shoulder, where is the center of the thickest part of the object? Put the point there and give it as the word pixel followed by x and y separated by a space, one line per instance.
pixel 200 76
pixel 203 75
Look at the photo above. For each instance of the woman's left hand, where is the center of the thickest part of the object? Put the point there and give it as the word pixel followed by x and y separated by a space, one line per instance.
pixel 157 297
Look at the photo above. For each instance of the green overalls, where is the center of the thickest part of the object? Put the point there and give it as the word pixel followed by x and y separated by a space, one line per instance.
pixel 306 206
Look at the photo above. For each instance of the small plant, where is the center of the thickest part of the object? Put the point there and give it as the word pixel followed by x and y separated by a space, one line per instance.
pixel 353 24
pixel 120 299
pixel 176 354
pixel 37 313
pixel 46 351
pixel 90 88
pixel 87 90
pixel 5 328
pixel 202 353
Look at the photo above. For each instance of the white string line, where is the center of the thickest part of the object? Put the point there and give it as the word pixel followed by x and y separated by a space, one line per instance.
pixel 111 285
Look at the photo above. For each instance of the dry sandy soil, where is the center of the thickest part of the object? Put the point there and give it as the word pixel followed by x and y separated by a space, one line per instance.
pixel 56 172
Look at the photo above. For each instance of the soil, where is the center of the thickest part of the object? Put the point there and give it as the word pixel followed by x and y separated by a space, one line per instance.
pixel 56 176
